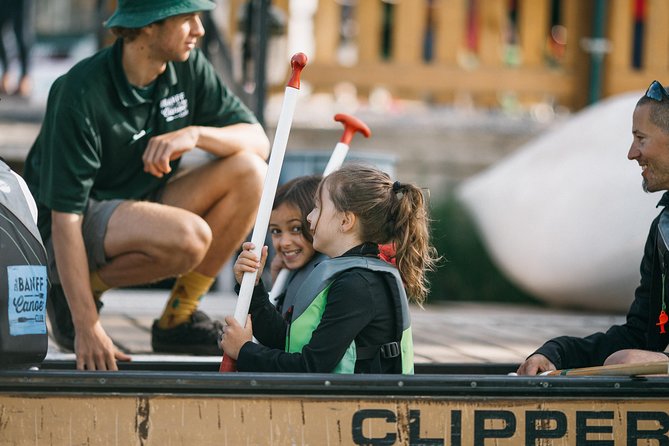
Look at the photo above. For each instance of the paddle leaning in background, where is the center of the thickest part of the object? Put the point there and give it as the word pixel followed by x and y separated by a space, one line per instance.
pixel 297 63
pixel 644 368
pixel 352 125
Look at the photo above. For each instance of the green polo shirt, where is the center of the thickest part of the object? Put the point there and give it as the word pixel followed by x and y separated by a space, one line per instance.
pixel 97 126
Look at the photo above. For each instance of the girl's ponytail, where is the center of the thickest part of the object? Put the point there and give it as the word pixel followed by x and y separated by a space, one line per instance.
pixel 410 233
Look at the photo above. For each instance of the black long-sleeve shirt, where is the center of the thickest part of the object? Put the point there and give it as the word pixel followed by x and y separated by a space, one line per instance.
pixel 639 330
pixel 359 307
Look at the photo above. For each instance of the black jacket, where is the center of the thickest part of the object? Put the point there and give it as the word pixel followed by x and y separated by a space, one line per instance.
pixel 359 308
pixel 639 331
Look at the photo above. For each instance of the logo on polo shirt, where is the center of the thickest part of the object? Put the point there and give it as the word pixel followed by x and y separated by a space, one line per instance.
pixel 174 107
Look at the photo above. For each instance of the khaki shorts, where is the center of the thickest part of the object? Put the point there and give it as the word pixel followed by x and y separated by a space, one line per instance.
pixel 94 228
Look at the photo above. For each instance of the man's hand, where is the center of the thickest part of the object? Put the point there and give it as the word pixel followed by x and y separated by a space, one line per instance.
pixel 167 147
pixel 235 336
pixel 95 350
pixel 535 364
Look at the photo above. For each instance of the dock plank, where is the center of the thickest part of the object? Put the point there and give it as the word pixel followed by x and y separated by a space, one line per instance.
pixel 456 332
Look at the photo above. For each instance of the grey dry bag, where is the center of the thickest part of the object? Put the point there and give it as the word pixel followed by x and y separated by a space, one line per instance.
pixel 23 279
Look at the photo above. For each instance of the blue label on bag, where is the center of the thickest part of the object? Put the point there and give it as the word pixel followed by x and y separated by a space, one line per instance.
pixel 27 299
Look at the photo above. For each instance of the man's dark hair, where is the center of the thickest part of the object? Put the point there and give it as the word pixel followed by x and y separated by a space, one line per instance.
pixel 127 34
pixel 659 111
pixel 130 34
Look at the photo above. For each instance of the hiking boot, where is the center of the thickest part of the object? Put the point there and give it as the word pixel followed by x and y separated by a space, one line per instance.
pixel 199 336
pixel 60 317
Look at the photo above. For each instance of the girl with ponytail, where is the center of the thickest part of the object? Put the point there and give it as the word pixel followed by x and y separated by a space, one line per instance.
pixel 389 213
pixel 351 313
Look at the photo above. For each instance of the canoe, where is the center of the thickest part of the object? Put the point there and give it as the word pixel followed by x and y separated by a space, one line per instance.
pixel 443 404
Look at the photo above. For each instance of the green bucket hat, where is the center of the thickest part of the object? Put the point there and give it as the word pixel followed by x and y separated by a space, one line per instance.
pixel 140 13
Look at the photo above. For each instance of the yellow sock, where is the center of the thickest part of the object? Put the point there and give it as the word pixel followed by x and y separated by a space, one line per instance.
pixel 184 298
pixel 97 285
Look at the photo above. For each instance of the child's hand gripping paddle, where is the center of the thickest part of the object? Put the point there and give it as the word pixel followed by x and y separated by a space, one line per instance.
pixel 351 126
pixel 297 63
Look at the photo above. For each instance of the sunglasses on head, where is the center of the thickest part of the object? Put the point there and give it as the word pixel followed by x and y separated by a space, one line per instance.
pixel 657 92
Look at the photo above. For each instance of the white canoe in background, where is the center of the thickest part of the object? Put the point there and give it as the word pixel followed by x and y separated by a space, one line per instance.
pixel 565 216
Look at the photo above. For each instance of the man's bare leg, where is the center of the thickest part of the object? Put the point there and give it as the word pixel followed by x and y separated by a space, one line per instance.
pixel 149 241
pixel 226 193
pixel 180 328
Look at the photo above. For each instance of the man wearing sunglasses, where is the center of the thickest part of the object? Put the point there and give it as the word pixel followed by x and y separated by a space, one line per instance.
pixel 645 334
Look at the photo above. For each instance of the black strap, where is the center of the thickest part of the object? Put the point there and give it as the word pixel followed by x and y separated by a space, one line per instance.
pixel 386 351
pixel 663 239
pixel 390 350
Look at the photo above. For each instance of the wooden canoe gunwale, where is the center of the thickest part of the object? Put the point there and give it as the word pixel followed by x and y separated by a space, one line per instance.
pixel 454 381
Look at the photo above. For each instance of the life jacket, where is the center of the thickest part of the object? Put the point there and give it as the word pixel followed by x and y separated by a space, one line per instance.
pixel 312 300
pixel 295 279
pixel 23 279
pixel 662 243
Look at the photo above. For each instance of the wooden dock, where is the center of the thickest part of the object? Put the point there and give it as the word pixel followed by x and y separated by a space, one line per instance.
pixel 468 332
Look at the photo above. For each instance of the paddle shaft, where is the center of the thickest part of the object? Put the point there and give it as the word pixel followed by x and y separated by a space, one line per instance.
pixel 298 61
pixel 645 368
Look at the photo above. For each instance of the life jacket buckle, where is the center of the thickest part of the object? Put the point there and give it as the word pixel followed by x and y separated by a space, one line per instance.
pixel 390 350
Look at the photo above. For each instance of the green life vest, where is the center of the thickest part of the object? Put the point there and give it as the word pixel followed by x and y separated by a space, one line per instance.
pixel 312 300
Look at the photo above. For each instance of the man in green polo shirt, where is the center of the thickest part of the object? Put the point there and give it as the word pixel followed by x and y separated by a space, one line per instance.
pixel 114 209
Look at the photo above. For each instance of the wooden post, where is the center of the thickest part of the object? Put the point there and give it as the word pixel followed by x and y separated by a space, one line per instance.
pixel 326 26
pixel 656 38
pixel 619 30
pixel 368 16
pixel 620 35
pixel 533 31
pixel 491 31
pixel 574 32
pixel 408 31
pixel 493 20
pixel 450 16
pixel 577 20
pixel 618 64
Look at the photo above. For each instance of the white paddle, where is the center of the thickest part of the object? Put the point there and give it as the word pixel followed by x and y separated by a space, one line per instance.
pixel 297 63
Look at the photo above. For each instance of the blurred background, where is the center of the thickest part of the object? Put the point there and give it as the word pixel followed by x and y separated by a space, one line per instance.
pixel 514 115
